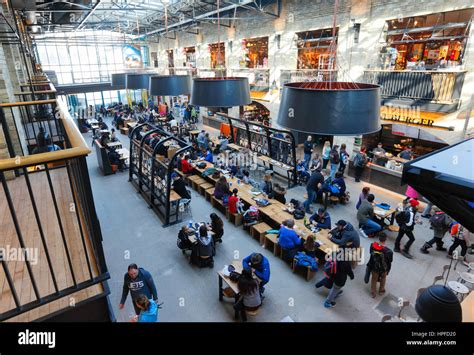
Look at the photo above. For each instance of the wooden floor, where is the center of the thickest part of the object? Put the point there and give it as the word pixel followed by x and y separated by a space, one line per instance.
pixel 31 236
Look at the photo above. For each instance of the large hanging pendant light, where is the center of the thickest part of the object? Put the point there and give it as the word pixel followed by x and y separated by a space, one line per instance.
pixel 118 80
pixel 137 81
pixel 339 108
pixel 170 85
pixel 220 91
pixel 332 108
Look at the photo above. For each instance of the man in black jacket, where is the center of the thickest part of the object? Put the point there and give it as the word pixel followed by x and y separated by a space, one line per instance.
pixel 342 270
pixel 308 150
pixel 179 186
pixel 139 282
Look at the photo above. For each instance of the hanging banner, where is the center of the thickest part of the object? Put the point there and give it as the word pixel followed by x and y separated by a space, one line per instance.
pixel 132 56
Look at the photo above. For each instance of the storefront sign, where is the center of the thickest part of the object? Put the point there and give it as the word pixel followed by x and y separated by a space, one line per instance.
pixel 404 114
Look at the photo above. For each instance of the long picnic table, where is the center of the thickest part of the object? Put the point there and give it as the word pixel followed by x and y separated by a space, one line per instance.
pixel 275 211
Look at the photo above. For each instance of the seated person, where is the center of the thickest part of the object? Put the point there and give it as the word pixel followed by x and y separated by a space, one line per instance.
pixel 279 193
pixel 114 159
pixel 179 186
pixel 183 238
pixel 206 155
pixel 235 205
pixel 216 227
pixel 247 179
pixel 344 235
pixel 113 135
pixel 310 247
pixel 260 266
pixel 186 166
pixel 222 146
pixel 205 247
pixel 119 122
pixel 321 219
pixel 366 217
pixel 102 124
pixel 267 186
pixel 303 174
pixel 41 144
pixel 249 296
pixel 340 184
pixel 221 189
pixel 289 240
pixel 104 139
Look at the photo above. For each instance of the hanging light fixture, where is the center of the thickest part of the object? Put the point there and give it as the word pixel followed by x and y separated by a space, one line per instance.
pixel 170 85
pixel 137 81
pixel 332 108
pixel 438 304
pixel 119 80
pixel 220 91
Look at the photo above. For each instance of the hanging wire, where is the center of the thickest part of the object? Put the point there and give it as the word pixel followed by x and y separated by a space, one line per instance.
pixel 219 55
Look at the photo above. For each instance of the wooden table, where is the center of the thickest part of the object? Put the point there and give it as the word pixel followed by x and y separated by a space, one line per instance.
pixel 467 307
pixel 275 211
pixel 233 285
pixel 271 163
pixel 102 131
pixel 193 134
pixel 234 146
pixel 385 214
pixel 131 124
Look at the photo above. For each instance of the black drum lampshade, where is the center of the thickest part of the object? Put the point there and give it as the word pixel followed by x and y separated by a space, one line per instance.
pixel 330 108
pixel 220 92
pixel 137 81
pixel 438 304
pixel 170 85
pixel 119 80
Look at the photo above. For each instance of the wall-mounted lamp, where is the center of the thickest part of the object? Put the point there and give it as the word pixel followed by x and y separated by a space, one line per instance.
pixel 230 45
pixel 278 40
pixel 356 32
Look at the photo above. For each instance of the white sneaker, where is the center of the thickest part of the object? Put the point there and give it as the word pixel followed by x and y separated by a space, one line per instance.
pixel 362 233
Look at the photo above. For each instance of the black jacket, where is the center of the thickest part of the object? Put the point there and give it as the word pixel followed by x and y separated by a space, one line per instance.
pixel 343 270
pixel 180 188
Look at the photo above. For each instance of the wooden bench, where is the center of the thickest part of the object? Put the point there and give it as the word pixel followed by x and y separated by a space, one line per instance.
pixel 217 203
pixel 197 182
pixel 124 130
pixel 393 228
pixel 259 230
pixel 307 270
pixel 271 241
pixel 235 218
pixel 193 178
pixel 333 200
pixel 203 187
pixel 208 194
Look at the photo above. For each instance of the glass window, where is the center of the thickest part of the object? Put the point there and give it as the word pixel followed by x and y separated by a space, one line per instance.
pixel 52 55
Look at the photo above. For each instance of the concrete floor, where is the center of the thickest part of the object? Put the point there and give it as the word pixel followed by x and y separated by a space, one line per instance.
pixel 133 233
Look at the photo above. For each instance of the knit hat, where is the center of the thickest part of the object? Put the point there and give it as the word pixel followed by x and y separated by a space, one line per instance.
pixel 414 203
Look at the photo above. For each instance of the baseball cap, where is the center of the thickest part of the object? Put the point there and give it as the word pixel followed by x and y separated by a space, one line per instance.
pixel 341 223
pixel 173 175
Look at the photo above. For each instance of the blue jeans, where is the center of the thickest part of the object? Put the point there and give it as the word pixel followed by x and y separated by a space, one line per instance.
pixel 371 227
pixel 307 159
pixel 311 197
pixel 333 170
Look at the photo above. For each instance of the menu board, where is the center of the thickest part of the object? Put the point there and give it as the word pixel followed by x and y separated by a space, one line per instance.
pixel 405 131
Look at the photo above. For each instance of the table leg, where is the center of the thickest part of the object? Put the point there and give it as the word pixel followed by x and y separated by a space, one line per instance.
pixel 221 290
pixel 236 312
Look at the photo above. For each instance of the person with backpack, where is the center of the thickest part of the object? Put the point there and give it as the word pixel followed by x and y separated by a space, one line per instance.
pixel 360 161
pixel 334 158
pixel 440 223
pixel 336 272
pixel 260 266
pixel 379 264
pixel 406 221
pixel 461 237
pixel 343 158
pixel 138 282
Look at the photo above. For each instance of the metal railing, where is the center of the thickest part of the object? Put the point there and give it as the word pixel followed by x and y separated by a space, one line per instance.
pixel 52 212
pixel 259 78
pixel 442 87
pixel 305 75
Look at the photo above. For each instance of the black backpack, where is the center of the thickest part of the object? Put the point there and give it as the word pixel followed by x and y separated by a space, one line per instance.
pixel 438 221
pixel 380 262
pixel 334 157
pixel 402 217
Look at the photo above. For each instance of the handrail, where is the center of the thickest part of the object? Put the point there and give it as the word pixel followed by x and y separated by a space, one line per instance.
pixel 78 144
pixel 36 83
pixel 28 103
pixel 36 92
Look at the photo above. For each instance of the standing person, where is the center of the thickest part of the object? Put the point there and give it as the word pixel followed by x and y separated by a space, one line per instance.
pixel 308 150
pixel 365 216
pixel 148 310
pixel 440 223
pixel 340 271
pixel 217 228
pixel 201 139
pixel 406 221
pixel 360 161
pixel 363 195
pixel 260 266
pixel 344 158
pixel 379 264
pixel 326 153
pixel 406 153
pixel 334 159
pixel 139 282
pixel 461 238
pixel 315 182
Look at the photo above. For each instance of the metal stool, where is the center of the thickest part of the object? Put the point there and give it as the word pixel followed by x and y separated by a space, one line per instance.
pixel 458 288
pixel 466 277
